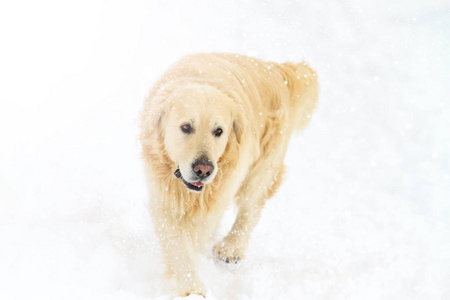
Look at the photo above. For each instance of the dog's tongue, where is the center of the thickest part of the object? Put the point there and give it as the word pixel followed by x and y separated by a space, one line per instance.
pixel 197 183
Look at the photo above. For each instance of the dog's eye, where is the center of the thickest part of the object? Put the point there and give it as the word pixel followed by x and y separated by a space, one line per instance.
pixel 186 128
pixel 218 132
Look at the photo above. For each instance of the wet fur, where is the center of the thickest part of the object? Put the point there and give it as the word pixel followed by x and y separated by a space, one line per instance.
pixel 267 102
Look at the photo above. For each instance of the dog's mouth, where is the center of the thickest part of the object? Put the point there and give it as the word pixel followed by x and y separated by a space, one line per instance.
pixel 195 186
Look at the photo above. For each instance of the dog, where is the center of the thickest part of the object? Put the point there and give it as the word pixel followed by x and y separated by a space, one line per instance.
pixel 214 131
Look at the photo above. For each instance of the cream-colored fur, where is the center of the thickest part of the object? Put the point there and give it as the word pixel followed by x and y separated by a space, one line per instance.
pixel 258 105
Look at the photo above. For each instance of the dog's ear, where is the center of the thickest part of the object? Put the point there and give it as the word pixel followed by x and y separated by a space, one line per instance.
pixel 152 120
pixel 237 127
pixel 159 122
pixel 239 124
pixel 156 120
pixel 160 109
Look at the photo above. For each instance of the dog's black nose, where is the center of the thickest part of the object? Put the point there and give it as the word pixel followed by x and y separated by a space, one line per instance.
pixel 203 167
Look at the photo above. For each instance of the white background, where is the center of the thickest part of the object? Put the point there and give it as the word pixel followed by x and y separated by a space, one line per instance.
pixel 364 212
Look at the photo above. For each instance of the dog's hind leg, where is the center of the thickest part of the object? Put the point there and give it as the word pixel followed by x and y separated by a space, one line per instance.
pixel 251 200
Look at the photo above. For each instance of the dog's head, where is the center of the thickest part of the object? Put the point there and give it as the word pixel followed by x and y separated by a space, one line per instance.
pixel 196 123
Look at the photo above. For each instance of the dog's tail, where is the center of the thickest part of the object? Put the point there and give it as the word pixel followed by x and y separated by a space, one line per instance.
pixel 304 90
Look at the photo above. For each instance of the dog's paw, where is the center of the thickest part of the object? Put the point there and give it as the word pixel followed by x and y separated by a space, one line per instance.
pixel 190 285
pixel 190 296
pixel 228 252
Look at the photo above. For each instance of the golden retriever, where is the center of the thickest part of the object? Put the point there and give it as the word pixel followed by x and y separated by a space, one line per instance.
pixel 214 130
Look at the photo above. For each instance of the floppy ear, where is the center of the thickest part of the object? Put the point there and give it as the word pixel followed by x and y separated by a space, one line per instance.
pixel 160 106
pixel 239 124
pixel 152 121
pixel 159 122
pixel 237 127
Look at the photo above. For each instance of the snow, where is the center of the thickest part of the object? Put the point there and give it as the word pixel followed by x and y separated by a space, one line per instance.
pixel 364 212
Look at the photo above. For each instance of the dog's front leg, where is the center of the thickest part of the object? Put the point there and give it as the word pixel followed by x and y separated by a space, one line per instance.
pixel 233 246
pixel 250 201
pixel 179 256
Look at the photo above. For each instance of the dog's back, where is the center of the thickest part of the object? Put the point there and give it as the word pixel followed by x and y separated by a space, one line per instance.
pixel 268 84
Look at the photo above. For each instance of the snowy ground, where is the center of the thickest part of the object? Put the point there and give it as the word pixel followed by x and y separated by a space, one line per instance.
pixel 363 214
